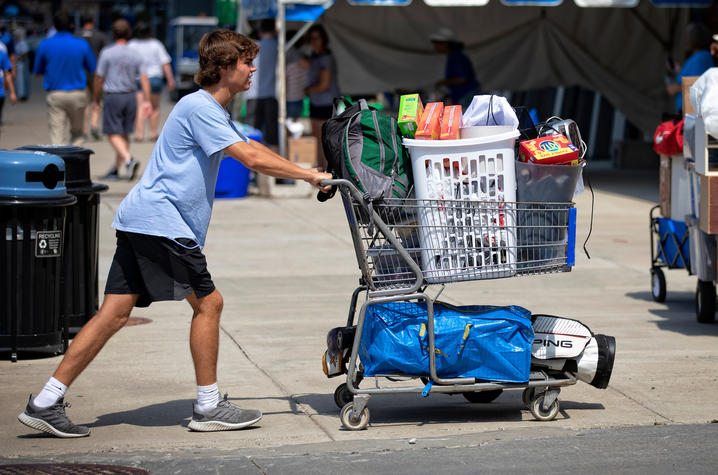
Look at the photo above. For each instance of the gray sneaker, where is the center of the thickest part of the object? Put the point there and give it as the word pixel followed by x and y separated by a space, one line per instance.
pixel 52 420
pixel 111 175
pixel 226 416
pixel 131 168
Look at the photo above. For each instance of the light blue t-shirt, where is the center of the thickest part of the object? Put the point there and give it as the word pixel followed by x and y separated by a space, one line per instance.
pixel 174 197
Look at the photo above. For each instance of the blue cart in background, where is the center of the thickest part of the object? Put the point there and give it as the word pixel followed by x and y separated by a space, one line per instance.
pixel 682 245
pixel 670 248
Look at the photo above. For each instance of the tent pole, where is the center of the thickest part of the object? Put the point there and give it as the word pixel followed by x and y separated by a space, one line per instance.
pixel 240 18
pixel 281 78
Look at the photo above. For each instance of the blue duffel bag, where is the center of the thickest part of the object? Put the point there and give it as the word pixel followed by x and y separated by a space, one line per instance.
pixel 483 342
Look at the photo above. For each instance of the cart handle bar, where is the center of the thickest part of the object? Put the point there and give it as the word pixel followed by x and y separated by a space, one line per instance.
pixel 388 234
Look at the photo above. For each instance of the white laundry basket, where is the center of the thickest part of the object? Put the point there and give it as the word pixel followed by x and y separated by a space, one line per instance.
pixel 469 232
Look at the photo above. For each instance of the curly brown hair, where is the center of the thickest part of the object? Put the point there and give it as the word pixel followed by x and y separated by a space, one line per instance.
pixel 221 49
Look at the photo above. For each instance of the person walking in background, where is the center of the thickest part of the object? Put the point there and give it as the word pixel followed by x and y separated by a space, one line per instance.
pixel 698 44
pixel 158 68
pixel 161 228
pixel 322 85
pixel 263 109
pixel 459 76
pixel 22 65
pixel 65 62
pixel 297 66
pixel 117 70
pixel 6 82
pixel 97 40
pixel 8 44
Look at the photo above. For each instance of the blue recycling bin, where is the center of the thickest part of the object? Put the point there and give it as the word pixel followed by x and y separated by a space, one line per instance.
pixel 33 208
pixel 233 177
pixel 232 180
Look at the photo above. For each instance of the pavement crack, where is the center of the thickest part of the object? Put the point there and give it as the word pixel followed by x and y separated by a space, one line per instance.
pixel 278 384
pixel 614 388
pixel 259 467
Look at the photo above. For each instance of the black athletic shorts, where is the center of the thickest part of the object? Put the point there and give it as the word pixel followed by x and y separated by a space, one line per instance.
pixel 158 269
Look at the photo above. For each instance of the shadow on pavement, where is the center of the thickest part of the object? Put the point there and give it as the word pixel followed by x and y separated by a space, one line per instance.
pixel 179 412
pixel 678 314
pixel 641 184
pixel 170 413
pixel 399 409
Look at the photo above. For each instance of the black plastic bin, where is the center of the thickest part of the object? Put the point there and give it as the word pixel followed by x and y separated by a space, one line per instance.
pixel 33 205
pixel 79 298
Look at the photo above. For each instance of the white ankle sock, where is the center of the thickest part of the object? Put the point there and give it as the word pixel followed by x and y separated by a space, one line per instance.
pixel 50 394
pixel 207 397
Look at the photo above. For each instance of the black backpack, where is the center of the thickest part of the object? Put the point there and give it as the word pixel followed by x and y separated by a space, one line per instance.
pixel 364 146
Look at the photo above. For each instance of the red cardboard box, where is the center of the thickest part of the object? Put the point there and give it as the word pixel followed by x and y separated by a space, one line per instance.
pixel 550 150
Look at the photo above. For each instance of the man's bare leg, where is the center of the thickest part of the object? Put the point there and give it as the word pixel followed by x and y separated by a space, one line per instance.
pixel 154 116
pixel 204 344
pixel 111 317
pixel 121 145
pixel 204 335
pixel 46 412
pixel 139 119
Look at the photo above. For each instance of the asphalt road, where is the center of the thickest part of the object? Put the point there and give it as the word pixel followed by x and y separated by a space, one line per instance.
pixel 658 449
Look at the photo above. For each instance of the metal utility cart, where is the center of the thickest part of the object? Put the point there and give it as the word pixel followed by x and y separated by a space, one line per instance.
pixel 403 246
pixel 684 237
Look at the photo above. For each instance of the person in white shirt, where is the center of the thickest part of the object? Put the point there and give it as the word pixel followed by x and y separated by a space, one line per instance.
pixel 157 65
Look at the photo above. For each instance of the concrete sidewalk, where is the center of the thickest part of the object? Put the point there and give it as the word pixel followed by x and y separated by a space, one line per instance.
pixel 287 269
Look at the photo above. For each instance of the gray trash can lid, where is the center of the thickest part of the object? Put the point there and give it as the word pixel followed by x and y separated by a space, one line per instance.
pixel 32 175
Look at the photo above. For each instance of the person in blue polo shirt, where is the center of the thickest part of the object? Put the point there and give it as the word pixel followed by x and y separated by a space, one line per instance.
pixel 65 61
pixel 6 81
pixel 698 43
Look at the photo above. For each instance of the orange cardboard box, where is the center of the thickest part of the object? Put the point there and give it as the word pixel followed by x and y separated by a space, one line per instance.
pixel 550 150
pixel 430 123
pixel 450 123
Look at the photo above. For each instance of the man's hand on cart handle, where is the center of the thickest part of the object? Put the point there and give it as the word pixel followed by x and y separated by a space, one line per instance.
pixel 318 178
pixel 328 191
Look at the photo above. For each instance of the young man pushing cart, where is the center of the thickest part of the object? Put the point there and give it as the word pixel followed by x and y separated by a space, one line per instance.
pixel 161 228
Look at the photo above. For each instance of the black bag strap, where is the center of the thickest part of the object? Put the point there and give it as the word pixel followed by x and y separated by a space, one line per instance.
pixel 337 103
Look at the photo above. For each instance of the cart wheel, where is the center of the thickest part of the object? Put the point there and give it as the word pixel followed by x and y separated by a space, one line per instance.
pixel 539 413
pixel 705 301
pixel 483 397
pixel 352 420
pixel 658 284
pixel 527 396
pixel 342 395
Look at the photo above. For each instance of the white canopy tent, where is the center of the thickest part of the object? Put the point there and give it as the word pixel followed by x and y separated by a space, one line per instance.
pixel 619 51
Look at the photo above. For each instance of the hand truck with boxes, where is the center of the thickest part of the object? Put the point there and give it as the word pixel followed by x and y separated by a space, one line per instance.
pixel 684 235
